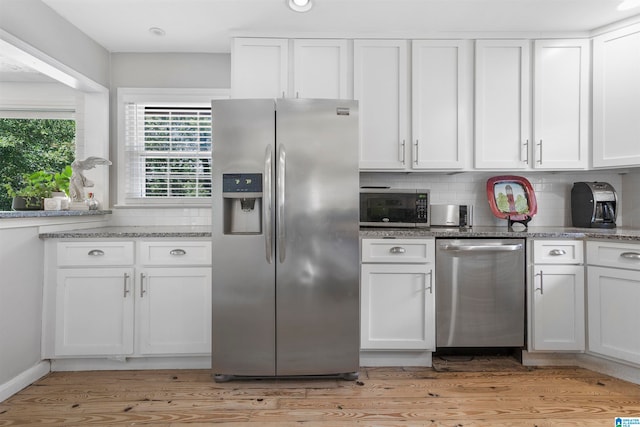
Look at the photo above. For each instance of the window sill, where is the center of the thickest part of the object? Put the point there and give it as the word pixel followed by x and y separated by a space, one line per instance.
pixel 45 214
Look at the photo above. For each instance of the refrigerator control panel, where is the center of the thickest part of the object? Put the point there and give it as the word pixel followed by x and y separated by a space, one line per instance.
pixel 242 183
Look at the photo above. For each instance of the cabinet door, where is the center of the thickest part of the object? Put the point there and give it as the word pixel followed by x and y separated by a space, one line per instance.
pixel 616 100
pixel 440 111
pixel 380 84
pixel 614 319
pixel 398 307
pixel 558 307
pixel 94 312
pixel 259 68
pixel 502 124
pixel 561 109
pixel 320 69
pixel 174 313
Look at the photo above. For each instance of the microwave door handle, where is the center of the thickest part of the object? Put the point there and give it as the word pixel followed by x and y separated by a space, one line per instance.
pixel 267 209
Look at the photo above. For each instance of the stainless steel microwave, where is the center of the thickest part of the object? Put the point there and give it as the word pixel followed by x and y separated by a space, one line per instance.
pixel 390 207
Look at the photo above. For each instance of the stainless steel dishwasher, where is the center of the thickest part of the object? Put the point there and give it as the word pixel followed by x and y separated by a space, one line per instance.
pixel 480 288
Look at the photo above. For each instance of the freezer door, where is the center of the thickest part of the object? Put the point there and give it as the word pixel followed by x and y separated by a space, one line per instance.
pixel 243 311
pixel 317 259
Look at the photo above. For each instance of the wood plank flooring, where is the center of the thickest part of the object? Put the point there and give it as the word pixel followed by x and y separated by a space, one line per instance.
pixel 385 397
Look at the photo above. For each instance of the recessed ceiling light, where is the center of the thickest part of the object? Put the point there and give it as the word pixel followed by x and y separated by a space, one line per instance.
pixel 300 5
pixel 157 31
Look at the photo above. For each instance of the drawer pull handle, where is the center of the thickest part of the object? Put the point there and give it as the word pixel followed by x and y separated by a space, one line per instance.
pixel 397 250
pixel 177 252
pixel 631 255
pixel 95 252
pixel 557 252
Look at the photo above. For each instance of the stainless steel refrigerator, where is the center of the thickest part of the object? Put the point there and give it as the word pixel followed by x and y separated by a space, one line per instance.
pixel 285 238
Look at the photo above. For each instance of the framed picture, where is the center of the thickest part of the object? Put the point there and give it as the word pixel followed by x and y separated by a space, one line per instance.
pixel 512 197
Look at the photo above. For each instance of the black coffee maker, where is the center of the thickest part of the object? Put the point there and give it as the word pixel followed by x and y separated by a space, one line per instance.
pixel 593 205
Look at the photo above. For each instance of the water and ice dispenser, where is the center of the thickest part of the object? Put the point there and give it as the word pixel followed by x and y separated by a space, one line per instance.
pixel 242 203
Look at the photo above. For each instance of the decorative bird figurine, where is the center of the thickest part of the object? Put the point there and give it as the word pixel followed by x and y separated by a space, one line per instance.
pixel 78 181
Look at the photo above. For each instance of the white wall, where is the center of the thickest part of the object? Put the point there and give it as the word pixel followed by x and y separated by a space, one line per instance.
pixel 631 200
pixel 170 70
pixel 553 191
pixel 21 264
pixel 163 70
pixel 35 24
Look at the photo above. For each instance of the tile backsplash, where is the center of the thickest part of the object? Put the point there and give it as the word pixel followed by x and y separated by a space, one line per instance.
pixel 553 191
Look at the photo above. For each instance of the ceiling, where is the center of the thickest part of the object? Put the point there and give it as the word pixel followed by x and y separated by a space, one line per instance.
pixel 209 25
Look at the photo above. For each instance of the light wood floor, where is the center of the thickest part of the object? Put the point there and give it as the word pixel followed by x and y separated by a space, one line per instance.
pixel 381 397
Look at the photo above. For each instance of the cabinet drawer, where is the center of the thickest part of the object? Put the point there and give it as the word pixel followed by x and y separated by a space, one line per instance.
pixel 620 255
pixel 175 253
pixel 72 254
pixel 398 250
pixel 558 252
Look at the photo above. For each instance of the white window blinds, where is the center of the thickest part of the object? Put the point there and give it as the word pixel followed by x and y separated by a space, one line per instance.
pixel 168 150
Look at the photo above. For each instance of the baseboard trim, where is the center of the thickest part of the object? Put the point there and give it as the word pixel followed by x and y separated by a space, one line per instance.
pixel 24 379
pixel 116 364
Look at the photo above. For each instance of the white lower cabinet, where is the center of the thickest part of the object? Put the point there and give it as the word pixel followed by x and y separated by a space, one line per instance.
pixel 558 308
pixel 556 293
pixel 94 311
pixel 398 301
pixel 613 277
pixel 174 311
pixel 104 301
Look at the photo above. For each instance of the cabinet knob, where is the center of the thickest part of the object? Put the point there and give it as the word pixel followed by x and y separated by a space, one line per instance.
pixel 397 250
pixel 177 252
pixel 95 252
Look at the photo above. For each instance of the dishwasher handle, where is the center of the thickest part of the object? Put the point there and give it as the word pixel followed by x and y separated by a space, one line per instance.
pixel 482 248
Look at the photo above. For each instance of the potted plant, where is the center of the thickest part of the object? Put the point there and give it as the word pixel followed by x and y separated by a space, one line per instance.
pixel 38 186
pixel 62 179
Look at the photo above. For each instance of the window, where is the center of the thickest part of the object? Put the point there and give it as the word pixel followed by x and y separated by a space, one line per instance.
pixel 32 140
pixel 165 140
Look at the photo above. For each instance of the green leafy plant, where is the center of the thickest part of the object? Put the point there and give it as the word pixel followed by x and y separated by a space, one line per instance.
pixel 39 185
pixel 62 179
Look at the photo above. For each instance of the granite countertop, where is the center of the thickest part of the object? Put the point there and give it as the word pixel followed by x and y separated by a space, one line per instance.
pixel 45 214
pixel 621 233
pixel 130 232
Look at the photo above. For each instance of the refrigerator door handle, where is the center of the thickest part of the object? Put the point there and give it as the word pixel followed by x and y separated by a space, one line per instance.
pixel 280 194
pixel 268 199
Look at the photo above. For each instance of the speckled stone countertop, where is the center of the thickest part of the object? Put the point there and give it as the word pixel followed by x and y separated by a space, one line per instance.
pixel 130 232
pixel 45 214
pixel 621 234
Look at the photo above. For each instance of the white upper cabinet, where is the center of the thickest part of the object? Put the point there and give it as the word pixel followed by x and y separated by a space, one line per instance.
pixel 320 69
pixel 440 103
pixel 616 98
pixel 502 115
pixel 380 84
pixel 259 68
pixel 561 107
pixel 269 68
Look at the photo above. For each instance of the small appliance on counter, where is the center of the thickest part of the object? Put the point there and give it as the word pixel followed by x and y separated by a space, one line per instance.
pixel 392 207
pixel 593 205
pixel 452 216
